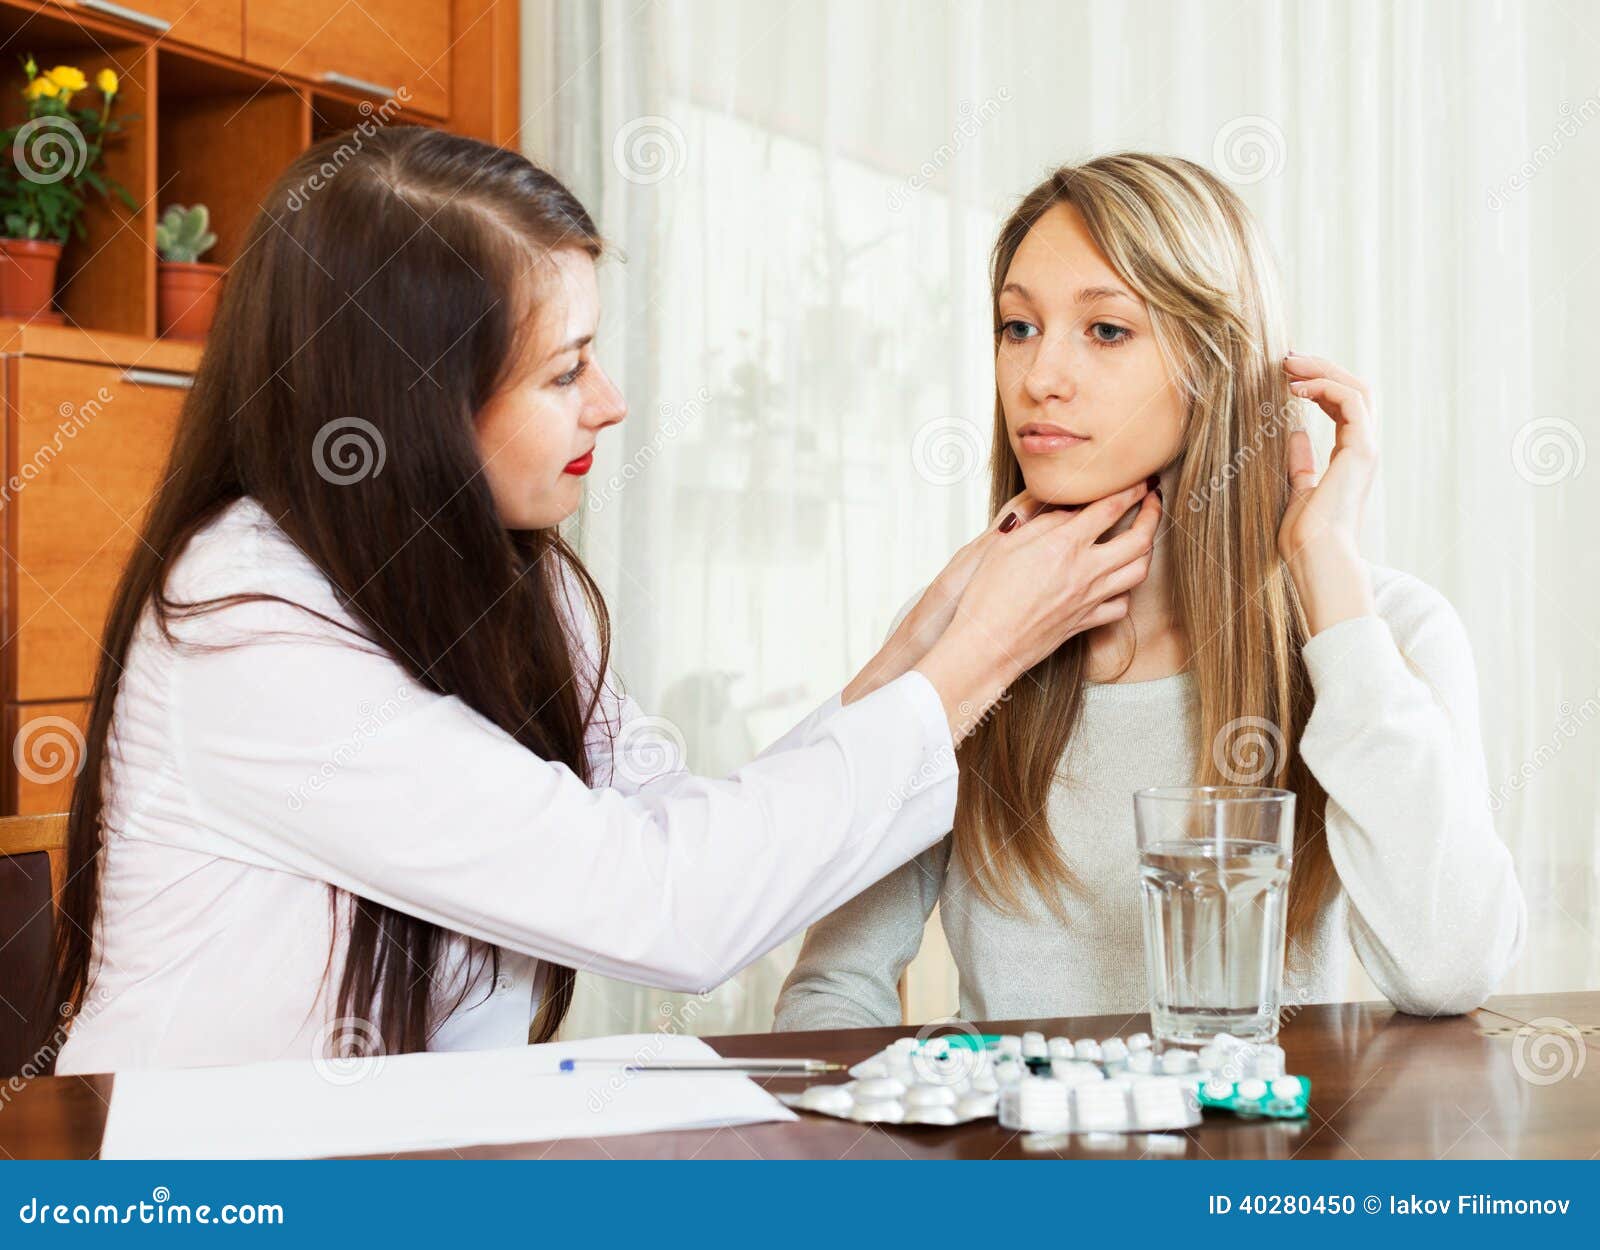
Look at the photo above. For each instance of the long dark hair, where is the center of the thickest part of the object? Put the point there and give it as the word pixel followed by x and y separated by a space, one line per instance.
pixel 384 291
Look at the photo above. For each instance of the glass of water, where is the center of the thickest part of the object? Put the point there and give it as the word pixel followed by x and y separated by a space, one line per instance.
pixel 1214 872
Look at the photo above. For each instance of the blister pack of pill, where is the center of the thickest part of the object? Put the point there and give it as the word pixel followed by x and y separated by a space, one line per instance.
pixel 1058 1085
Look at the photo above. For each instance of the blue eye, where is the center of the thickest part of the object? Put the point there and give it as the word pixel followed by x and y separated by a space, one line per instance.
pixel 1123 334
pixel 1017 331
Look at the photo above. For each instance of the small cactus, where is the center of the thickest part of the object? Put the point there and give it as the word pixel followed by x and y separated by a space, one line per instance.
pixel 182 233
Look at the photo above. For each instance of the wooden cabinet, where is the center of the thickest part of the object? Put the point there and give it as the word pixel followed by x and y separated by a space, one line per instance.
pixel 88 444
pixel 399 49
pixel 218 96
pixel 89 420
pixel 215 25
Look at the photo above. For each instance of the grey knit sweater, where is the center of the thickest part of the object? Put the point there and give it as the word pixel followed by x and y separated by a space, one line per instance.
pixel 1429 897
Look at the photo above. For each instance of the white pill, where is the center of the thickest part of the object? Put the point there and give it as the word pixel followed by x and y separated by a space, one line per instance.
pixel 1286 1087
pixel 1218 1089
pixel 1252 1089
pixel 1077 1072
pixel 879 1111
pixel 1162 1104
pixel 1166 1143
pixel 1100 1108
pixel 976 1106
pixel 1011 1044
pixel 1141 1061
pixel 1034 1046
pixel 1139 1041
pixel 931 1115
pixel 923 1096
pixel 903 1045
pixel 828 1099
pixel 1270 1062
pixel 1113 1050
pixel 869 1068
pixel 1060 1048
pixel 1087 1048
pixel 1174 1061
pixel 1211 1057
pixel 936 1046
pixel 879 1087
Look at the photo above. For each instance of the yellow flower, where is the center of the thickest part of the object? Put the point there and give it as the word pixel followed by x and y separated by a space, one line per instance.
pixel 42 87
pixel 106 80
pixel 68 78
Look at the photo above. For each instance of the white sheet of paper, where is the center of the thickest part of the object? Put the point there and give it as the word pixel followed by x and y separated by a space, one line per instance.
pixel 297 1110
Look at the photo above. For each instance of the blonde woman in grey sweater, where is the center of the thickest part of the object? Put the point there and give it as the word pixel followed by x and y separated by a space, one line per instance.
pixel 1138 332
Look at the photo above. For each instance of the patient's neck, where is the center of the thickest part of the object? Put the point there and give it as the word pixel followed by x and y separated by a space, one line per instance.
pixel 1148 643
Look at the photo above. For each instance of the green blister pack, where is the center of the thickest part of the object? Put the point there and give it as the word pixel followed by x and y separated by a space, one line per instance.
pixel 1282 1098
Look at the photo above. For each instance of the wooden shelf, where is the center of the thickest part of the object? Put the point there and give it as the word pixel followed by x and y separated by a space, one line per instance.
pixel 204 127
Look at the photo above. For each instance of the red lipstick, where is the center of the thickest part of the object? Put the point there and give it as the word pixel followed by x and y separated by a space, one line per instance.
pixel 581 465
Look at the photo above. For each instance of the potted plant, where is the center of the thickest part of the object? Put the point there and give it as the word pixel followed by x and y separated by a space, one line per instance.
pixel 54 162
pixel 188 288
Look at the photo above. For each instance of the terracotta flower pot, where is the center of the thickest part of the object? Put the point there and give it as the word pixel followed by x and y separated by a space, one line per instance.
pixel 28 279
pixel 186 297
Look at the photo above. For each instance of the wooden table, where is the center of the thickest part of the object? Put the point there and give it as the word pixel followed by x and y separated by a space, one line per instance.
pixel 1384 1085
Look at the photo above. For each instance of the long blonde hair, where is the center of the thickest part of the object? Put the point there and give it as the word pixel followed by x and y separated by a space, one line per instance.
pixel 1183 241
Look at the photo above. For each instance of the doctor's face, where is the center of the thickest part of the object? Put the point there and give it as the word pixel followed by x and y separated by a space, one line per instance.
pixel 1090 405
pixel 536 437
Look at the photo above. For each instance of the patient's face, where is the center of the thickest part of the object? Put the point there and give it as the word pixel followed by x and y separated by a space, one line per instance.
pixel 1090 404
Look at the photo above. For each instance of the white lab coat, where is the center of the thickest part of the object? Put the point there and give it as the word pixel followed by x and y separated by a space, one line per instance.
pixel 244 780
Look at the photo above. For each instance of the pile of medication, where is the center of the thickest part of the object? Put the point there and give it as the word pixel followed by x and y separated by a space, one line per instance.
pixel 1056 1085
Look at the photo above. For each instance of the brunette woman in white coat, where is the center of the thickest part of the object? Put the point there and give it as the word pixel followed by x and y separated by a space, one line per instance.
pixel 351 769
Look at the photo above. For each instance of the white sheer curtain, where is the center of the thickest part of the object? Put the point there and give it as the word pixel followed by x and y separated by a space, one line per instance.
pixel 803 196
